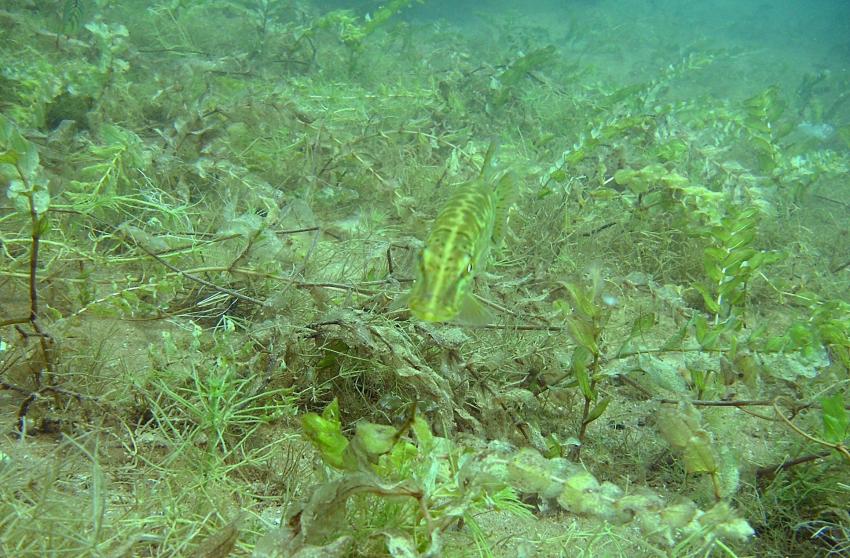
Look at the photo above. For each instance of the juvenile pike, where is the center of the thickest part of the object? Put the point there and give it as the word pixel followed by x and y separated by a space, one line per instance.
pixel 472 220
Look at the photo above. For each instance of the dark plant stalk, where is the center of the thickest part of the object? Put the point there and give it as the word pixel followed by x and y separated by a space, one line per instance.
pixel 575 451
pixel 44 338
pixel 843 450
pixel 841 267
pixel 191 277
pixel 36 238
pixel 771 470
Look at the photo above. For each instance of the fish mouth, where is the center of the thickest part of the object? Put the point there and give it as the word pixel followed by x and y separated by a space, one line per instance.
pixel 431 314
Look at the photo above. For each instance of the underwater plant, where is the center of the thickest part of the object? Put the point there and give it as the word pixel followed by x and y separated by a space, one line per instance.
pixel 211 212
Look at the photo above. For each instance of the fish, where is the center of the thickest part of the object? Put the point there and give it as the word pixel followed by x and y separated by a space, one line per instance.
pixel 471 222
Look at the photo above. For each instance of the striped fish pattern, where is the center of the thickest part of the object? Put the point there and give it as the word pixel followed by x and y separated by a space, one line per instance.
pixel 472 220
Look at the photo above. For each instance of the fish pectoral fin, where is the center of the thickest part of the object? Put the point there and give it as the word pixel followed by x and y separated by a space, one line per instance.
pixel 473 312
pixel 487 277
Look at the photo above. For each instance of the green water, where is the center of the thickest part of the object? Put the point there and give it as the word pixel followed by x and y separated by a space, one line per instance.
pixel 213 212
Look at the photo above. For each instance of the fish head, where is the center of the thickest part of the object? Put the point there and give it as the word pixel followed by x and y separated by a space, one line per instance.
pixel 441 285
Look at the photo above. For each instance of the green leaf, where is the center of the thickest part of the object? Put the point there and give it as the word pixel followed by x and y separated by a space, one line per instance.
pixel 578 155
pixel 675 429
pixel 581 358
pixel 40 199
pixel 678 515
pixel 749 367
pixel 42 226
pixel 375 439
pixel 800 335
pixel 723 522
pixel 17 188
pixel 714 254
pixel 325 432
pixel 700 328
pixel 708 299
pixel 712 270
pixel 331 412
pixel 597 410
pixel 731 287
pixel 738 256
pixel 528 471
pixel 16 150
pixel 583 333
pixel 699 455
pixel 400 459
pixel 9 157
pixel 558 175
pixel 728 475
pixel 742 236
pixel 640 181
pixel 675 340
pixel 705 334
pixel 835 419
pixel 582 300
pixel 29 161
pixel 604 194
pixel 763 258
pixel 423 433
pixel 643 324
pixel 775 344
pixel 638 186
pixel 577 495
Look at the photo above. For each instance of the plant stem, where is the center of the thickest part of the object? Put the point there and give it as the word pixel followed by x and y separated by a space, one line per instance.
pixel 44 338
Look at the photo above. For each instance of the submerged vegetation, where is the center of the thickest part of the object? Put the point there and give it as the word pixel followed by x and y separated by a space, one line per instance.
pixel 214 211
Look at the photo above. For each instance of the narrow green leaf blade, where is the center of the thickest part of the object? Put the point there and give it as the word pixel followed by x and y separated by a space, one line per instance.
pixel 597 410
pixel 835 419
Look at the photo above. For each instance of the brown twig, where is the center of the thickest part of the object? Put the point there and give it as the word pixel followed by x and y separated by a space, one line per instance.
pixel 245 251
pixel 390 266
pixel 191 277
pixel 626 380
pixel 733 403
pixel 45 340
pixel 771 470
pixel 38 224
pixel 293 231
pixel 841 267
pixel 839 447
pixel 831 200
pixel 14 321
pixel 599 229
pixel 517 327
